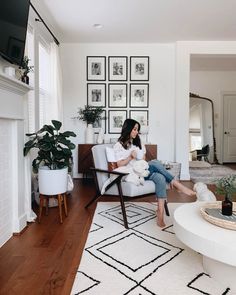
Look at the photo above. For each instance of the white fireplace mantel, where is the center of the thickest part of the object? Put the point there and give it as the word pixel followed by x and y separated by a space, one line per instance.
pixel 13 106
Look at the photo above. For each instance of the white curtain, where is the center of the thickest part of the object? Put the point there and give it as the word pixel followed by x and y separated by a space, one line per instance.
pixel 55 83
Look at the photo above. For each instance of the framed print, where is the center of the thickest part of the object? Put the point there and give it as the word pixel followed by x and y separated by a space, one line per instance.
pixel 117 95
pixel 139 95
pixel 15 48
pixel 100 124
pixel 96 68
pixel 139 68
pixel 115 120
pixel 96 94
pixel 117 68
pixel 140 116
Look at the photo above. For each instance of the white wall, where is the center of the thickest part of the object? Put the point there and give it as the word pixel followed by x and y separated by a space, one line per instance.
pixel 212 84
pixel 161 89
pixel 183 51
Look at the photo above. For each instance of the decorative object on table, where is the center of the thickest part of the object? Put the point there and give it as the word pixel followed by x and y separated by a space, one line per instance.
pixel 100 138
pixel 96 94
pixel 54 156
pixel 226 186
pixel 117 68
pixel 139 68
pixel 117 95
pixel 96 68
pixel 212 212
pixel 91 115
pixel 116 120
pixel 139 95
pixel 25 69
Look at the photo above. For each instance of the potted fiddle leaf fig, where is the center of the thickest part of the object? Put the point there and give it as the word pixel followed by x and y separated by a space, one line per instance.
pixel 54 157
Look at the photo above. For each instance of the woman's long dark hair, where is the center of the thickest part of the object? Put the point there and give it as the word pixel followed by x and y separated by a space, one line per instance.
pixel 124 138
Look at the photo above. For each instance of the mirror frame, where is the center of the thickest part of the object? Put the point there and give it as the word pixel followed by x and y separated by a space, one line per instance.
pixel 215 160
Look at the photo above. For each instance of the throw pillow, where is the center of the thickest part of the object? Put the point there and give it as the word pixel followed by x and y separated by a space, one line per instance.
pixel 111 159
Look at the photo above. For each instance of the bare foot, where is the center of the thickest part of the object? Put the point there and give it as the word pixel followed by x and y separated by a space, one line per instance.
pixel 180 187
pixel 160 221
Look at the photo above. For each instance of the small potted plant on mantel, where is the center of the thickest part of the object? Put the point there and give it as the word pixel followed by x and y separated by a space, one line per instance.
pixel 54 158
pixel 25 69
pixel 90 115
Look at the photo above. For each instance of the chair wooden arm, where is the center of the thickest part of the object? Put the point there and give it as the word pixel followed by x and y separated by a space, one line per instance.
pixel 107 171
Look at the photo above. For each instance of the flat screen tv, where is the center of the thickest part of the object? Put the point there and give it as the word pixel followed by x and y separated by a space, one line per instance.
pixel 13 26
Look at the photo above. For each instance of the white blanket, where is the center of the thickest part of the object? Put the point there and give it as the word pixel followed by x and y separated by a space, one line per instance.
pixel 136 170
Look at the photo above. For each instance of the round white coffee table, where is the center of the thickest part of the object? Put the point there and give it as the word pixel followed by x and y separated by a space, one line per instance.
pixel 216 244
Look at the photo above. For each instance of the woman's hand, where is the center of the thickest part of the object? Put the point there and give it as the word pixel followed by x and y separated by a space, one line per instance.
pixel 133 154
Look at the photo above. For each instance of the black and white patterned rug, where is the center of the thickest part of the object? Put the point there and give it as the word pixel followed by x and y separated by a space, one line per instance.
pixel 210 174
pixel 142 260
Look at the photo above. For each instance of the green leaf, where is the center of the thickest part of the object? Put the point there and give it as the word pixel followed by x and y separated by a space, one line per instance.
pixel 57 124
pixel 68 134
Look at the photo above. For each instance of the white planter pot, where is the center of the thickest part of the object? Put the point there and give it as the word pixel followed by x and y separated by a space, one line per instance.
pixel 89 134
pixel 52 182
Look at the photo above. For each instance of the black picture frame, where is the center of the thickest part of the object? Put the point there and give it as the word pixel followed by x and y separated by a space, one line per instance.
pixel 96 68
pixel 139 95
pixel 117 68
pixel 117 95
pixel 116 119
pixel 100 124
pixel 139 115
pixel 139 68
pixel 96 94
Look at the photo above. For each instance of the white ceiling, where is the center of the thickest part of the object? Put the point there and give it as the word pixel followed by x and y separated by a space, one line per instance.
pixel 145 21
pixel 137 21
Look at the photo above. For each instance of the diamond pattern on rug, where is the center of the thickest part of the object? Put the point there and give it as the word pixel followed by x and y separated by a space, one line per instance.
pixel 95 227
pixel 136 214
pixel 83 283
pixel 169 229
pixel 209 289
pixel 142 260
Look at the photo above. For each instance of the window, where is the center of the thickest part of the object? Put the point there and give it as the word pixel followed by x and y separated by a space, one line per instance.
pixel 44 83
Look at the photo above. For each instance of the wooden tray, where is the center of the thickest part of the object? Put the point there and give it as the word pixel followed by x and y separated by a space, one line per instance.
pixel 212 213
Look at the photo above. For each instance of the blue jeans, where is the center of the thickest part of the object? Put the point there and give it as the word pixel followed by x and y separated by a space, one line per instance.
pixel 160 176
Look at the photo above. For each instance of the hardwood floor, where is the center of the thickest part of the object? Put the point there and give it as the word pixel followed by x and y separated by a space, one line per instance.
pixel 45 257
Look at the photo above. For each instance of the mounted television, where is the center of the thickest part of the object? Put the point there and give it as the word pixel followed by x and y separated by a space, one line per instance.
pixel 13 26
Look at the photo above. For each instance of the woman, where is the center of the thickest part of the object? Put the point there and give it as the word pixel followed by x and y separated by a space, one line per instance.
pixel 129 148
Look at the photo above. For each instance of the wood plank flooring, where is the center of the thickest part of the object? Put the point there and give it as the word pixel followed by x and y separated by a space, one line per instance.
pixel 45 257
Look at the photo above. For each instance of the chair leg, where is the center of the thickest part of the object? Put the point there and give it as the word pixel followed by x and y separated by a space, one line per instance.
pixel 122 206
pixel 59 197
pixel 93 200
pixel 166 208
pixel 41 198
pixel 65 203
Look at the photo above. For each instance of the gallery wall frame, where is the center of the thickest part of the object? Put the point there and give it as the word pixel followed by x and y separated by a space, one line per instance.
pixel 117 68
pixel 96 68
pixel 140 116
pixel 96 94
pixel 117 95
pixel 100 124
pixel 139 68
pixel 139 95
pixel 116 119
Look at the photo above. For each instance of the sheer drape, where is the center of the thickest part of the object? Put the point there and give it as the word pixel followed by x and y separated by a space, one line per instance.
pixel 55 83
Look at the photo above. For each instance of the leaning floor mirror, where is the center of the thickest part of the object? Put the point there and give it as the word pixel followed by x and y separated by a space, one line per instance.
pixel 202 144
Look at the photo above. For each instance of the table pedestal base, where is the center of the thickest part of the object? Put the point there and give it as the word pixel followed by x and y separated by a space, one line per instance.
pixel 223 273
